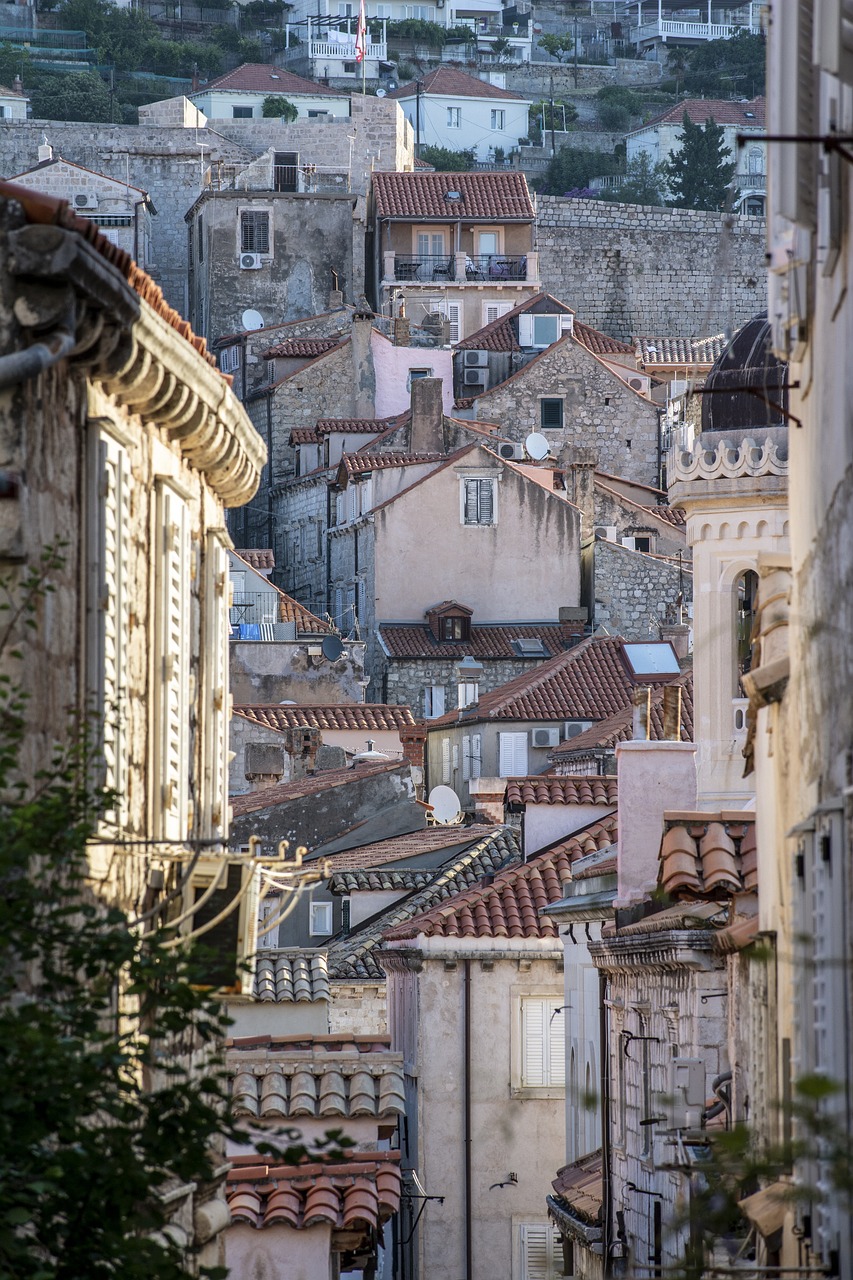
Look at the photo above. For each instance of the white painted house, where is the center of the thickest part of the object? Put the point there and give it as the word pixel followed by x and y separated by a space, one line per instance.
pixel 240 94
pixel 462 113
pixel 13 102
pixel 661 138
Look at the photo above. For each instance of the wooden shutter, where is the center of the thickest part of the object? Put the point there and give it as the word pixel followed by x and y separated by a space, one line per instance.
pixel 537 1251
pixel 525 331
pixel 466 757
pixel 172 663
pixel 109 609
pixel 534 1067
pixel 471 502
pixel 512 756
pixel 445 759
pixel 216 697
pixel 476 755
pixel 454 315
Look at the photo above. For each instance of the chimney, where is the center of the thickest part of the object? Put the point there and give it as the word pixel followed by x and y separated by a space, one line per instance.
pixel 336 300
pixel 264 765
pixel 17 84
pixel 363 373
pixel 654 777
pixel 427 430
pixel 572 622
pixel 45 151
pixel 678 635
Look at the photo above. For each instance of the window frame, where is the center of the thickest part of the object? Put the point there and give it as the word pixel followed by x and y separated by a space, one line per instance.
pixel 527 1006
pixel 255 211
pixel 551 401
pixel 314 909
pixel 492 521
pixel 498 120
pixel 243 112
pixel 454 117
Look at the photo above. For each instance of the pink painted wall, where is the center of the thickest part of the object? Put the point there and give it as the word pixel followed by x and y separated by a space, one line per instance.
pixel 391 366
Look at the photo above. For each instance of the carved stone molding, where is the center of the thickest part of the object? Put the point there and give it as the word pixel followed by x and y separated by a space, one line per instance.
pixel 746 458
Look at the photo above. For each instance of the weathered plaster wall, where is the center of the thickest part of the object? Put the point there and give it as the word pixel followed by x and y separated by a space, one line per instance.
pixel 634 590
pixel 279 1253
pixel 392 365
pixel 631 269
pixel 244 732
pixel 271 671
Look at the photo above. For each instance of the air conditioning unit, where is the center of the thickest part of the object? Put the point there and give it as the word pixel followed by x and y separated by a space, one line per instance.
pixel 544 737
pixel 85 200
pixel 515 451
pixel 476 378
pixel 572 728
pixel 607 532
pixel 250 262
pixel 475 359
pixel 686 1095
pixel 638 384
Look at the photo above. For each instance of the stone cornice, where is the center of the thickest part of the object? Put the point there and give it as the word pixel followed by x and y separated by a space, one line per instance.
pixel 136 355
pixel 660 952
pixel 725 462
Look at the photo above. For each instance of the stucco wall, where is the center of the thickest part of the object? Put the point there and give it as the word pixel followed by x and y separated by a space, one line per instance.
pixel 391 370
pixel 269 671
pixel 631 269
pixel 279 1253
pixel 600 412
pixel 545 823
pixel 634 590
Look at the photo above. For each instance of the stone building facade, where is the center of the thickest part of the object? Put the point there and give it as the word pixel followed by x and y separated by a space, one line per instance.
pixel 633 269
pixel 635 592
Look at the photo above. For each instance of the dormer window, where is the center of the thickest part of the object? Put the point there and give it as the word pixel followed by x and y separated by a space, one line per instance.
pixel 538 330
pixel 454 627
pixel 449 621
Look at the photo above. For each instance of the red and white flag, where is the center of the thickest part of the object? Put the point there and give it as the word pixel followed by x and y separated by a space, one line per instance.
pixel 361 35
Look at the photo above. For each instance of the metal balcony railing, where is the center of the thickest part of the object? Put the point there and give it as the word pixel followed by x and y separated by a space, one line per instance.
pixel 496 266
pixel 424 267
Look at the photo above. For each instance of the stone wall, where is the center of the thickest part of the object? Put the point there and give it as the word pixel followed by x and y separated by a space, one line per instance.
pixel 358 1008
pixel 299 537
pixel 532 79
pixel 631 269
pixel 403 682
pixel 628 520
pixel 634 589
pixel 265 672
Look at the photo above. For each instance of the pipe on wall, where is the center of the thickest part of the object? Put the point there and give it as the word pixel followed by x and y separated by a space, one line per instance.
pixel 606 1183
pixel 466 1039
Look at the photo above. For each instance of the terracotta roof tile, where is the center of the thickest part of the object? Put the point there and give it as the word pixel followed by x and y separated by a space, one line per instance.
pixel 326 426
pixel 453 83
pixel 510 906
pixel 363 1192
pixel 291 976
pixel 316 784
pixel 578 1186
pixel 356 955
pixel 255 77
pixel 599 343
pixel 293 348
pixel 492 196
pixel 257 557
pixel 550 788
pixel 287 1079
pixel 589 682
pixel 499 334
pixel 663 350
pixel 289 610
pixel 722 110
pixel 407 846
pixel 356 715
pixel 738 935
pixel 486 641
pixel 708 855
pixel 357 463
pixel 617 728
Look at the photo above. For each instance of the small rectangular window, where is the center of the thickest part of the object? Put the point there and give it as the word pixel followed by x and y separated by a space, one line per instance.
pixel 320 921
pixel 498 118
pixel 254 231
pixel 454 117
pixel 433 701
pixel 242 113
pixel 546 329
pixel 479 502
pixel 551 415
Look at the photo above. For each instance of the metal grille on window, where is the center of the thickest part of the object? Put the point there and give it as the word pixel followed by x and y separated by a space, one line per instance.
pixel 254 232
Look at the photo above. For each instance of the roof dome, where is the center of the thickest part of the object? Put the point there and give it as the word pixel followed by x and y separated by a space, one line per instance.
pixel 747 387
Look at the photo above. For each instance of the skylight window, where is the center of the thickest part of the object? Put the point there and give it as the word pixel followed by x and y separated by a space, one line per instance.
pixel 656 660
pixel 529 647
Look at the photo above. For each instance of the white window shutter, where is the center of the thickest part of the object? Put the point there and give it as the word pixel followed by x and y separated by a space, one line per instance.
pixel 525 331
pixel 109 608
pixel 466 758
pixel 476 755
pixel 445 759
pixel 793 166
pixel 513 755
pixel 538 1251
pixel 215 656
pixel 534 1067
pixel 835 38
pixel 438 699
pixel 172 666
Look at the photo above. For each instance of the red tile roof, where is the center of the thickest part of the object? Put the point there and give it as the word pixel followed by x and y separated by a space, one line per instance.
pixel 589 682
pixel 487 640
pixel 255 77
pixel 749 115
pixel 258 557
pixel 313 785
pixel 550 788
pixel 408 846
pixel 579 1186
pixel 618 727
pixel 357 715
pixel 510 907
pixel 501 197
pixel 327 426
pixel 450 82
pixel 600 344
pixel 708 855
pixel 295 348
pixel 359 1194
pixel 499 334
pixel 680 352
pixel 357 463
pixel 40 208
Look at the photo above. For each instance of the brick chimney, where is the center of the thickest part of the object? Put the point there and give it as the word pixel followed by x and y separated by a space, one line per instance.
pixel 654 777
pixel 264 765
pixel 678 635
pixel 427 430
pixel 572 623
pixel 413 741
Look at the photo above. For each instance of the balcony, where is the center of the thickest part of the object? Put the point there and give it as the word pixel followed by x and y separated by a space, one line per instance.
pixel 255 615
pixel 664 29
pixel 344 49
pixel 460 269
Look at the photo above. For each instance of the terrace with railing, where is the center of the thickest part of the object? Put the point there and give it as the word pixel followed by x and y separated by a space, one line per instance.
pixel 460 268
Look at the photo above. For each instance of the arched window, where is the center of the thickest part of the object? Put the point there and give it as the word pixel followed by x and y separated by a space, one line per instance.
pixel 746 603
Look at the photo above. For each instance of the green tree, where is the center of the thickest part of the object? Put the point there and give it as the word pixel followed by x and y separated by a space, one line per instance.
pixel 616 106
pixel 728 68
pixel 699 173
pixel 278 107
pixel 558 46
pixel 444 160
pixel 644 183
pixel 74 96
pixel 572 168
pixel 564 112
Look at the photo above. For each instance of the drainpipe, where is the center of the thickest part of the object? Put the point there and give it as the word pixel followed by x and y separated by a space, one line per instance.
pixel 328 550
pixel 466 1084
pixel 606 1183
pixel 21 366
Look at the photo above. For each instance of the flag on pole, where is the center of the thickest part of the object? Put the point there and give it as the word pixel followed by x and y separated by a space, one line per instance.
pixel 361 35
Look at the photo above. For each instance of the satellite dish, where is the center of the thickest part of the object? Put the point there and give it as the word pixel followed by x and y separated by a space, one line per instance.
pixel 332 647
pixel 380 93
pixel 537 446
pixel 446 808
pixel 252 319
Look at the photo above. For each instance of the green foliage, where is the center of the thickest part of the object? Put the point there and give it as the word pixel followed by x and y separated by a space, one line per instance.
pixel 418 31
pixel 699 173
pixel 501 48
pixel 616 106
pixel 73 96
pixel 459 32
pixel 572 168
pixel 278 107
pixel 446 161
pixel 644 183
pixel 558 46
pixel 727 68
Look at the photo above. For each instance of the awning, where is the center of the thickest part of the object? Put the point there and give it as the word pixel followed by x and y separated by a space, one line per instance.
pixel 766 1209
